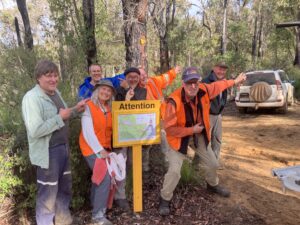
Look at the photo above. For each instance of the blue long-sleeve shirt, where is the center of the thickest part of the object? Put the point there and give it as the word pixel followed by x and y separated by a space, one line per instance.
pixel 85 90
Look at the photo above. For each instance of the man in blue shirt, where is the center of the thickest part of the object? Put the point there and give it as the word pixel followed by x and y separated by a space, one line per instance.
pixel 95 72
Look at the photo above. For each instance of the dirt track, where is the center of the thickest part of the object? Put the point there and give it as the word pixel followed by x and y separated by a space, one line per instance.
pixel 253 144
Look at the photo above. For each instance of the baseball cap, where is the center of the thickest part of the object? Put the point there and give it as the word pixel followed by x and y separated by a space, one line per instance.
pixel 190 73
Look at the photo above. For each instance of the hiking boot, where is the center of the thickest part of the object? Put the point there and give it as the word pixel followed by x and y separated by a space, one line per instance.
pixel 164 207
pixel 101 221
pixel 123 204
pixel 222 191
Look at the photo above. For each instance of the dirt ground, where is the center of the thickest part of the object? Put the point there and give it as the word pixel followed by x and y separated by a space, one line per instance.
pixel 254 144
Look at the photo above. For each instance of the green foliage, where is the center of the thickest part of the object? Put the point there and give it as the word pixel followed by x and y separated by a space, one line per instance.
pixel 81 174
pixel 190 174
pixel 8 181
pixel 294 75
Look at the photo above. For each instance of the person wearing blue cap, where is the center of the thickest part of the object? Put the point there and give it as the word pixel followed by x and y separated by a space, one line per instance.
pixel 187 125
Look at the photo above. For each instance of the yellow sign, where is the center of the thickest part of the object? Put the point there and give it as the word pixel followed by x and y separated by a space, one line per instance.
pixel 136 123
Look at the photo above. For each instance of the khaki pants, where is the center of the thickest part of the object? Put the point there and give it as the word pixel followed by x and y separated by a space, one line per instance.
pixel 216 133
pixel 207 161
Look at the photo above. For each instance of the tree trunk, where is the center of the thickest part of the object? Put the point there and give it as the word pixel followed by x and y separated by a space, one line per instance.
pixel 88 9
pixel 163 17
pixel 28 40
pixel 260 37
pixel 18 32
pixel 135 21
pixel 224 31
pixel 61 54
pixel 164 54
pixel 254 41
pixel 297 55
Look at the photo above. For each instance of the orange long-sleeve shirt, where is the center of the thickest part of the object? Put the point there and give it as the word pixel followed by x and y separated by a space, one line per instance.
pixel 170 122
pixel 156 84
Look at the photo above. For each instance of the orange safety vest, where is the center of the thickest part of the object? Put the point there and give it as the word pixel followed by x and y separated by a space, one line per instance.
pixel 102 127
pixel 156 84
pixel 203 107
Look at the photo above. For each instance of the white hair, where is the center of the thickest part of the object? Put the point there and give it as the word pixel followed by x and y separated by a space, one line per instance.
pixel 95 97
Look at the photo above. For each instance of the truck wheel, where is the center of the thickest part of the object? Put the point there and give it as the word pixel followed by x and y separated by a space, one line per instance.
pixel 284 108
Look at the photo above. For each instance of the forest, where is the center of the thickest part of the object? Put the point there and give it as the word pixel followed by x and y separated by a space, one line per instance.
pixel 155 34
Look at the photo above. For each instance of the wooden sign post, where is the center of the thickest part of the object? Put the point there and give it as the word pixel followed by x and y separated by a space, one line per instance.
pixel 136 123
pixel 137 178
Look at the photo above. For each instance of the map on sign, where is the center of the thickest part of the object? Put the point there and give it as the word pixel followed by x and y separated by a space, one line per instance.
pixel 136 127
pixel 136 123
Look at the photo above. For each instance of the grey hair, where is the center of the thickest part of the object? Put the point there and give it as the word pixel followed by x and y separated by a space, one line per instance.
pixel 95 99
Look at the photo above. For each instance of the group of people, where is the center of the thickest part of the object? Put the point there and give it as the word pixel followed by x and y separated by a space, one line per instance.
pixel 191 121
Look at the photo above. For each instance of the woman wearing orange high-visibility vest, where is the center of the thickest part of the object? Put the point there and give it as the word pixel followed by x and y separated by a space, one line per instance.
pixel 95 142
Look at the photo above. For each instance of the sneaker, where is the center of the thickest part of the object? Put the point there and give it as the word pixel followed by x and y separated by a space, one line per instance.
pixel 123 204
pixel 101 221
pixel 222 191
pixel 63 219
pixel 164 207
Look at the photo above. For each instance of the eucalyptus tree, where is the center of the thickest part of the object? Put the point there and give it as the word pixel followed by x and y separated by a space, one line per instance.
pixel 162 14
pixel 28 40
pixel 88 9
pixel 135 29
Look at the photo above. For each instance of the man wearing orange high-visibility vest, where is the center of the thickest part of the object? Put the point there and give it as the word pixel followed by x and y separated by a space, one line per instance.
pixel 187 125
pixel 155 86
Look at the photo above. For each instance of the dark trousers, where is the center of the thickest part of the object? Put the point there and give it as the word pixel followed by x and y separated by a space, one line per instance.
pixel 54 188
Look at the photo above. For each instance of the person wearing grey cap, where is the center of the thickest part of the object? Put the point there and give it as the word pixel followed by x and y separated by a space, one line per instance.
pixel 187 126
pixel 95 144
pixel 216 107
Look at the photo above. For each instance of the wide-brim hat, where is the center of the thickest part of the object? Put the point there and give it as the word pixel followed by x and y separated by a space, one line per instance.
pixel 104 82
pixel 191 73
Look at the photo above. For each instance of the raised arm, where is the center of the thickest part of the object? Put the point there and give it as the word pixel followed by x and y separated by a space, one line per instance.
pixel 217 87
